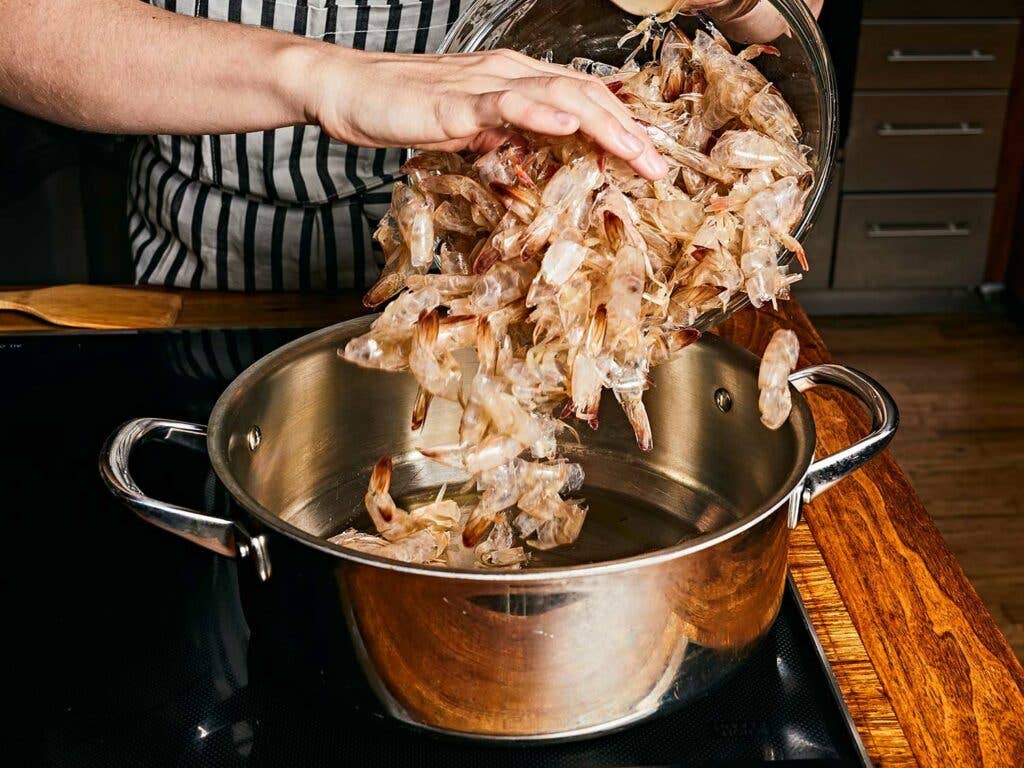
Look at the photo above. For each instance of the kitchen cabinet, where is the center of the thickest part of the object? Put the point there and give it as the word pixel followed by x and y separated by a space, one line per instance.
pixel 912 240
pixel 818 244
pixel 924 140
pixel 896 53
pixel 942 9
pixel 922 159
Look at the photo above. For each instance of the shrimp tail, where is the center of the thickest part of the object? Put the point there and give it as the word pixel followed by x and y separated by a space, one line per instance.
pixel 636 412
pixel 758 49
pixel 420 408
pixel 793 244
pixel 378 500
pixel 380 478
pixel 477 527
pixel 453 455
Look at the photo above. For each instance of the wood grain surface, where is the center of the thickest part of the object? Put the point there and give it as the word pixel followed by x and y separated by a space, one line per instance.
pixel 958 380
pixel 897 617
pixel 870 708
pixel 954 683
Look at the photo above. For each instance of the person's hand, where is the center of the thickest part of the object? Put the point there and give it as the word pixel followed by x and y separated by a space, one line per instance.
pixel 745 21
pixel 753 21
pixel 464 101
pixel 725 9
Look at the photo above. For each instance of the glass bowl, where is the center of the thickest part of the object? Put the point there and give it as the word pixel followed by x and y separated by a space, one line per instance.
pixel 564 29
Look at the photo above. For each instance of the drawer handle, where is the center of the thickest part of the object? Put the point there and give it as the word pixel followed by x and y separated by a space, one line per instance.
pixel 947 229
pixel 898 56
pixel 947 129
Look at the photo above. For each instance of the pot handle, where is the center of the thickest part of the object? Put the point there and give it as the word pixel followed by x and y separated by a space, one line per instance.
pixel 885 417
pixel 224 536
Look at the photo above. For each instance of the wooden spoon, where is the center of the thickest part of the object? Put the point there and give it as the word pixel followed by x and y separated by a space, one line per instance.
pixel 95 306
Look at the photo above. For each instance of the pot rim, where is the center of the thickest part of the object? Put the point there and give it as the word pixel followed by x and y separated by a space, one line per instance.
pixel 217 439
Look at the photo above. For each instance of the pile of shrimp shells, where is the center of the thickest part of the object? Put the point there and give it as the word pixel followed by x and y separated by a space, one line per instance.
pixel 569 273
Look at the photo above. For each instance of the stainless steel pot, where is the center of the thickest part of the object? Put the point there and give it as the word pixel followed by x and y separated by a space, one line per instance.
pixel 550 651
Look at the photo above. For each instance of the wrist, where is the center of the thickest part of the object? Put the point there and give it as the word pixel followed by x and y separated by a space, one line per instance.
pixel 757 22
pixel 731 10
pixel 309 73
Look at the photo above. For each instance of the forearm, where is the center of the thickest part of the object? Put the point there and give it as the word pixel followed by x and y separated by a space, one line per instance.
pixel 123 66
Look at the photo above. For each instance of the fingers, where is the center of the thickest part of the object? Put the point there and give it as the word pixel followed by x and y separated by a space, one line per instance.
pixel 552 105
pixel 522 109
pixel 508 64
pixel 505 87
pixel 525 66
pixel 540 68
pixel 607 99
pixel 570 91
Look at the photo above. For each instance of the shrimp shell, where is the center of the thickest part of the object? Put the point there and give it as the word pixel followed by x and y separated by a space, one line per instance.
pixel 569 273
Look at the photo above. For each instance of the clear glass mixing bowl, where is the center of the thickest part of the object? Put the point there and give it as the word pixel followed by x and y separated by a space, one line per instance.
pixel 564 29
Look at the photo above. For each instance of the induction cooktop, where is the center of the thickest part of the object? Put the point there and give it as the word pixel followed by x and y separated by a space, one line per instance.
pixel 131 647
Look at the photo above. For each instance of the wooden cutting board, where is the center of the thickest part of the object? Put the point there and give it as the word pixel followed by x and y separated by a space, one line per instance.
pixel 95 306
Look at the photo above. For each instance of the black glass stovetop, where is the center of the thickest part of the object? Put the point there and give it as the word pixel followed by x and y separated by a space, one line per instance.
pixel 130 647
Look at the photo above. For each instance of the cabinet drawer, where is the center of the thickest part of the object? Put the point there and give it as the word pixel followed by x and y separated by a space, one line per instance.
pixel 819 243
pixel 924 141
pixel 951 9
pixel 912 241
pixel 936 54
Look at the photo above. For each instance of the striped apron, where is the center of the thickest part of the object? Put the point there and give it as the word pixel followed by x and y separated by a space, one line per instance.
pixel 286 209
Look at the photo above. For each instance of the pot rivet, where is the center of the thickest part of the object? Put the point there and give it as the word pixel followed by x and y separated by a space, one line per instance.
pixel 254 438
pixel 723 399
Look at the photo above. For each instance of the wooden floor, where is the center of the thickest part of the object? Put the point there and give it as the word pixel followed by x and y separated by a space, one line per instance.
pixel 959 383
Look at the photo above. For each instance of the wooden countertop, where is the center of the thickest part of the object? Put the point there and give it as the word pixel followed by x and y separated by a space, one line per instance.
pixel 928 677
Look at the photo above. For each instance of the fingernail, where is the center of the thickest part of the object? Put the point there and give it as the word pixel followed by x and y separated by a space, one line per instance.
pixel 631 142
pixel 564 118
pixel 655 163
